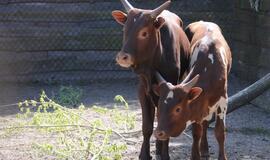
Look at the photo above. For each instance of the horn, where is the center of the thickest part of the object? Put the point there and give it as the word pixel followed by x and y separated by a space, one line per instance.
pixel 154 13
pixel 127 5
pixel 160 79
pixel 187 86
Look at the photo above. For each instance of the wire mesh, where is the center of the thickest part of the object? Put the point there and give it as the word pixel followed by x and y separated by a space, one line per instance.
pixel 55 41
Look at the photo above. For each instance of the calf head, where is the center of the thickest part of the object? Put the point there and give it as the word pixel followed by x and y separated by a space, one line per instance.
pixel 141 34
pixel 174 112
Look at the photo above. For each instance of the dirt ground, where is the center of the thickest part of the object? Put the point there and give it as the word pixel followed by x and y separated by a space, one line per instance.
pixel 248 129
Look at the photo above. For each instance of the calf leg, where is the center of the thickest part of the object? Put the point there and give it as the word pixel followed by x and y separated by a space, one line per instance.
pixel 204 143
pixel 162 149
pixel 197 132
pixel 148 114
pixel 220 136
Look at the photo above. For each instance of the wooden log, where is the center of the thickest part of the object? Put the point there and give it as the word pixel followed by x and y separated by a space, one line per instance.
pixel 56 61
pixel 27 30
pixel 47 1
pixel 70 77
pixel 83 42
pixel 248 94
pixel 77 12
pixel 217 5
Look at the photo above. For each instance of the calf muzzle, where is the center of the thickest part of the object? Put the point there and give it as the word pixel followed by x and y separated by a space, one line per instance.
pixel 124 59
pixel 161 135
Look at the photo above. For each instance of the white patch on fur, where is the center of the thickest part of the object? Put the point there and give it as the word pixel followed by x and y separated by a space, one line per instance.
pixel 211 57
pixel 205 69
pixel 189 123
pixel 222 104
pixel 210 28
pixel 170 95
pixel 135 20
pixel 205 41
pixel 211 111
pixel 194 56
pixel 223 54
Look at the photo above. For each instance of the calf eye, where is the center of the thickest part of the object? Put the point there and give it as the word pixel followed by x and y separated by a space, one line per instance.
pixel 144 34
pixel 178 110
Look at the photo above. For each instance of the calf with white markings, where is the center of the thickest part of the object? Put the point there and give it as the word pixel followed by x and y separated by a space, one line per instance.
pixel 201 95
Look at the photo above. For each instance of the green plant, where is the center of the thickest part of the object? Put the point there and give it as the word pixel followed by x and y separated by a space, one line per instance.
pixel 76 136
pixel 126 118
pixel 69 96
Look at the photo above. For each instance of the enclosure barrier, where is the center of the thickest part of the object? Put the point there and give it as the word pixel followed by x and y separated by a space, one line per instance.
pixel 57 41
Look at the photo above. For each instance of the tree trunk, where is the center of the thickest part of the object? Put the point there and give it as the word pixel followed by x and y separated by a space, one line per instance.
pixel 248 94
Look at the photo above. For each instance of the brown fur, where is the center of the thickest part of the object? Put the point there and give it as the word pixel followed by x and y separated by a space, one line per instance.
pixel 200 92
pixel 148 45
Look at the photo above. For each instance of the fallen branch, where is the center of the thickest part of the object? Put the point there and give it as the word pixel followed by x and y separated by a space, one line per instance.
pixel 248 94
pixel 82 126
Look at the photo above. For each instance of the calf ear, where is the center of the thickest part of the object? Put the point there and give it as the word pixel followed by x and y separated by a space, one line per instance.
pixel 194 93
pixel 119 16
pixel 159 22
pixel 156 89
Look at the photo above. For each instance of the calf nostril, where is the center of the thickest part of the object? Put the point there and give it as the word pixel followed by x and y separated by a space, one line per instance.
pixel 125 57
pixel 160 134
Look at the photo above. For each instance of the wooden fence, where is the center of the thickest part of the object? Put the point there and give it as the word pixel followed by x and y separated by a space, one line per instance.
pixel 76 40
pixel 251 44
pixel 251 39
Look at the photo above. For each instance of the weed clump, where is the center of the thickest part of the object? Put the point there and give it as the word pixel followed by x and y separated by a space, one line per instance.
pixel 78 134
pixel 69 96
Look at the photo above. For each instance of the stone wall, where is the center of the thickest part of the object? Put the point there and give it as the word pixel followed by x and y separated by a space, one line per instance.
pixel 251 44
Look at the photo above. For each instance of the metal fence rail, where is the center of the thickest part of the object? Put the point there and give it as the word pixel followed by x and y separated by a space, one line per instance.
pixel 76 40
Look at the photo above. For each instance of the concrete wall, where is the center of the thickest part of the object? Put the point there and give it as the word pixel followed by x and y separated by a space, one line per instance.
pixel 251 44
pixel 251 40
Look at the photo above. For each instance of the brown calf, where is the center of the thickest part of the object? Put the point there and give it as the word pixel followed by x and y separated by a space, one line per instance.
pixel 201 94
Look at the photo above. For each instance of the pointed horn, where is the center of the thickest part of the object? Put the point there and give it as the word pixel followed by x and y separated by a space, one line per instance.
pixel 127 5
pixel 161 8
pixel 187 86
pixel 160 79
